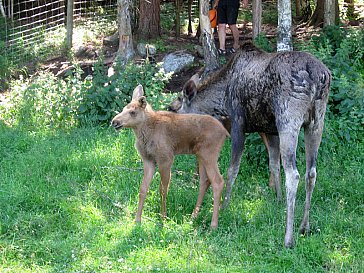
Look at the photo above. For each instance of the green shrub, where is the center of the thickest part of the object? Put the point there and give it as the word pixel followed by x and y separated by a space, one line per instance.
pixel 343 52
pixel 46 101
pixel 103 96
pixel 264 43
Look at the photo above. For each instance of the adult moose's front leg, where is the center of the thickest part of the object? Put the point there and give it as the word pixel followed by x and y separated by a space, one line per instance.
pixel 288 146
pixel 165 172
pixel 237 147
pixel 149 169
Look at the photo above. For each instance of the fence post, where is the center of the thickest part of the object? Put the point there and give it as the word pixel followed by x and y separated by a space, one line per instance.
pixel 70 4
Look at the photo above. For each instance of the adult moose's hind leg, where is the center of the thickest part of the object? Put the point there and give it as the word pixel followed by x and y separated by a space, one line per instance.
pixel 274 164
pixel 165 172
pixel 204 185
pixel 288 146
pixel 313 134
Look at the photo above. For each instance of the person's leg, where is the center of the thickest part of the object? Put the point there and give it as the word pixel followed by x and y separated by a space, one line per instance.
pixel 222 36
pixel 221 24
pixel 232 16
pixel 235 32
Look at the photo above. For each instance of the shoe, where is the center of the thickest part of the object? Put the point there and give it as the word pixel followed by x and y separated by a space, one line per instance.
pixel 231 50
pixel 221 51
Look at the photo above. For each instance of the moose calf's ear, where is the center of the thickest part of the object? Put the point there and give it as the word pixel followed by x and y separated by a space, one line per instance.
pixel 189 90
pixel 142 102
pixel 138 92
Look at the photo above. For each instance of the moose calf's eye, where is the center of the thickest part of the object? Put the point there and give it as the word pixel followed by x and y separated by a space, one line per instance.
pixel 133 113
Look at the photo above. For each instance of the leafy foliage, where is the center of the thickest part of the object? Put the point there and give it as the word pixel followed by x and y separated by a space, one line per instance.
pixel 103 96
pixel 343 52
pixel 264 43
pixel 46 101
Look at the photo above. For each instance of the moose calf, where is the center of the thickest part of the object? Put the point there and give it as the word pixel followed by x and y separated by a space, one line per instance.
pixel 161 135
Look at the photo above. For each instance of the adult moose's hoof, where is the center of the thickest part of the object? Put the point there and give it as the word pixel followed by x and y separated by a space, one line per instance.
pixel 289 242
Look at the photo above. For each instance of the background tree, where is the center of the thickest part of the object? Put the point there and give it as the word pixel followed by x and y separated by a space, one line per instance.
pixel 126 50
pixel 178 7
pixel 2 11
pixel 208 43
pixel 329 13
pixel 149 19
pixel 284 39
pixel 257 17
pixel 318 16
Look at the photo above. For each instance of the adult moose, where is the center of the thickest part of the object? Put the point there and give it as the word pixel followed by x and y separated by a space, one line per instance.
pixel 275 94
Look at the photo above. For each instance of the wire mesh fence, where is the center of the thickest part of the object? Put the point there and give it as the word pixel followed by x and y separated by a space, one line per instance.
pixel 32 29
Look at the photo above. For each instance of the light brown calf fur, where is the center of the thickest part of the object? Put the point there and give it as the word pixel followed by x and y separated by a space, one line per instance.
pixel 161 135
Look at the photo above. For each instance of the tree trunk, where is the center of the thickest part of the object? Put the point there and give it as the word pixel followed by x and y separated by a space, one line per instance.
pixel 306 11
pixel 190 31
pixel 257 17
pixel 178 7
pixel 299 5
pixel 329 13
pixel 337 12
pixel 208 43
pixel 318 16
pixel 149 19
pixel 11 9
pixel 126 50
pixel 2 11
pixel 284 39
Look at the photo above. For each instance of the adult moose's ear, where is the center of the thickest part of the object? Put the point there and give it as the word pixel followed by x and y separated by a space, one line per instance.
pixel 138 92
pixel 189 90
pixel 142 102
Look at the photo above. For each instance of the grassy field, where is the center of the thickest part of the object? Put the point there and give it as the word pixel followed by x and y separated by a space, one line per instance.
pixel 68 201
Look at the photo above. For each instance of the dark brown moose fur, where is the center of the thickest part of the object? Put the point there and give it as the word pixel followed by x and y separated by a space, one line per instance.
pixel 275 94
pixel 161 135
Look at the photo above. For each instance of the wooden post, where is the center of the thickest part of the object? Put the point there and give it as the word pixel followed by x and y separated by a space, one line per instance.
pixel 70 4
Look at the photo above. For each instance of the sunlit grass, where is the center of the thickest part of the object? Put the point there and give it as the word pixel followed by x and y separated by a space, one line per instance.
pixel 68 202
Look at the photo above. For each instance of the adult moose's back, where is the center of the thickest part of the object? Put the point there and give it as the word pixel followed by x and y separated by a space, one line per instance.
pixel 275 94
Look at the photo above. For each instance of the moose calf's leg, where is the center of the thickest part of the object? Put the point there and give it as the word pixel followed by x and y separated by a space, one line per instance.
pixel 312 142
pixel 217 184
pixel 288 145
pixel 204 185
pixel 149 169
pixel 165 172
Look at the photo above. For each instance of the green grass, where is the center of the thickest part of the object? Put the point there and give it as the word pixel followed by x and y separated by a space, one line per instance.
pixel 68 201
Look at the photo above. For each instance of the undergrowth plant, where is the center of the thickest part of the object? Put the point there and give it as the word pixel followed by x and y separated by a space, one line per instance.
pixel 342 50
pixel 50 102
pixel 103 96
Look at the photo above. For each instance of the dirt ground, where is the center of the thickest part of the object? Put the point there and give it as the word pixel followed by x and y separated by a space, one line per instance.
pixel 87 54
